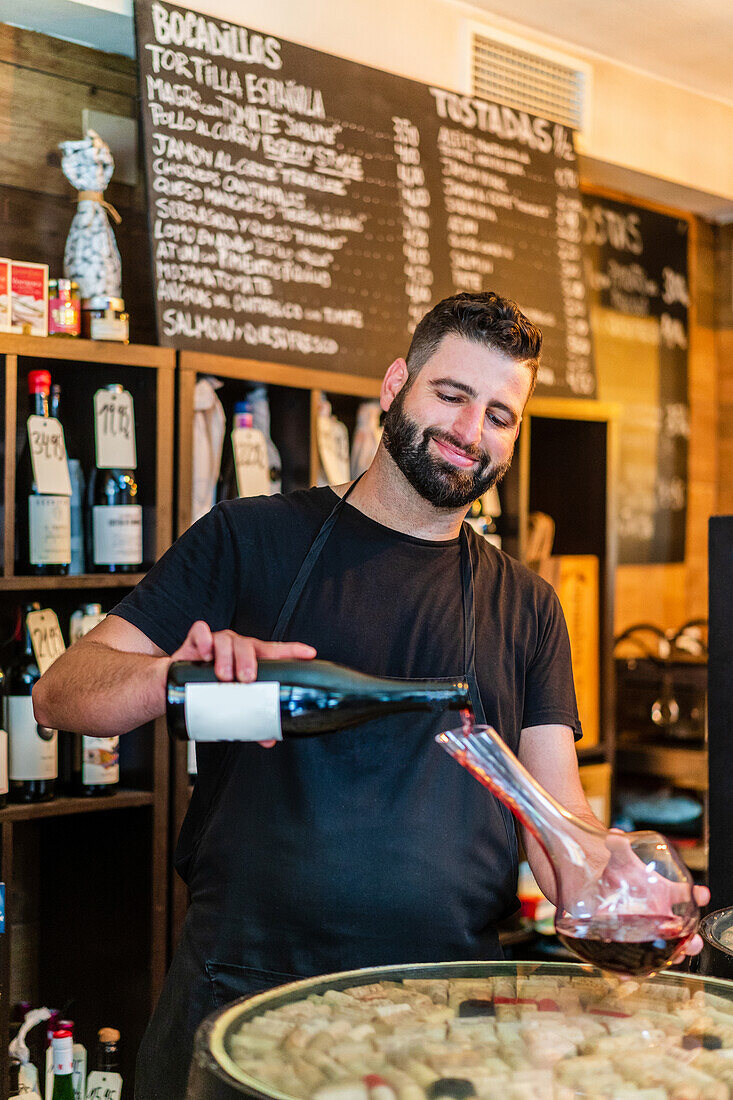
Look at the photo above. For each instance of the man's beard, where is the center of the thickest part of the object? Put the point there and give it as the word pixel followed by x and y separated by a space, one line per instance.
pixel 439 482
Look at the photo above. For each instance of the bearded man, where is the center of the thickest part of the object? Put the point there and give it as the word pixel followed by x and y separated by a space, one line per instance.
pixel 367 846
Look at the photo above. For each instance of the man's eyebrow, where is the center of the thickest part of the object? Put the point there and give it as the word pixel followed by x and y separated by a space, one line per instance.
pixel 456 385
pixel 471 392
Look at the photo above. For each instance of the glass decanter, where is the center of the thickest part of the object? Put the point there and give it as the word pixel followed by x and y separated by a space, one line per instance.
pixel 624 900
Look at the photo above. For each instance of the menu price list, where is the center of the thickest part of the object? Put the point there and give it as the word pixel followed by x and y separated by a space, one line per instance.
pixel 308 209
pixel 637 277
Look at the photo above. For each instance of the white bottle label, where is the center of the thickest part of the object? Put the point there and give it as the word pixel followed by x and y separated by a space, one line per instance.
pixel 251 462
pixel 48 455
pixel 32 750
pixel 233 712
pixel 46 637
pixel 103 1086
pixel 49 521
pixel 191 762
pixel 114 430
pixel 100 760
pixel 4 785
pixel 333 448
pixel 117 534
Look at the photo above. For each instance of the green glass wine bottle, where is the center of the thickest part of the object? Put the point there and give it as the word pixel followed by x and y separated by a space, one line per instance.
pixel 63 1062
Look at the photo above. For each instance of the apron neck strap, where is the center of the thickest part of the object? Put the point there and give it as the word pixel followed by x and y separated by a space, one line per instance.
pixel 296 589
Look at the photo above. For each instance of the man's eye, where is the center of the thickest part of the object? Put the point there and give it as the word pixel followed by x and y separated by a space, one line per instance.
pixel 452 398
pixel 498 421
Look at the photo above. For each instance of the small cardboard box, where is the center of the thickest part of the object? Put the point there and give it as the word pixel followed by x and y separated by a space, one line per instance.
pixel 4 295
pixel 29 298
pixel 575 579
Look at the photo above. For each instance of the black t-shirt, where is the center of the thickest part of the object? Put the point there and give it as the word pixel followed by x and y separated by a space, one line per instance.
pixel 381 602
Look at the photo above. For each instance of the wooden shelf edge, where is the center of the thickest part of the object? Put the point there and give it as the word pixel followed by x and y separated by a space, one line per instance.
pixel 280 374
pixel 78 580
pixel 87 351
pixel 61 807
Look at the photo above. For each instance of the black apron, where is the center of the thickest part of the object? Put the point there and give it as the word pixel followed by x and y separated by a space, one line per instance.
pixel 425 881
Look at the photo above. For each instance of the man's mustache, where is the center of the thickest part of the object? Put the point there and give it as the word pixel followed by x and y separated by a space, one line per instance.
pixel 469 449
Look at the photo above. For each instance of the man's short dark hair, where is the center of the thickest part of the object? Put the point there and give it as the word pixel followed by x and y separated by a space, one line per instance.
pixel 485 318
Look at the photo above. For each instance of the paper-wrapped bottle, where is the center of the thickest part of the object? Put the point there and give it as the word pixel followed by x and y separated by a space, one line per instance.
pixel 209 426
pixel 366 436
pixel 91 256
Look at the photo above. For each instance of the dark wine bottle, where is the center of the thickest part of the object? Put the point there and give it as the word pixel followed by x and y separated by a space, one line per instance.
pixel 116 517
pixel 105 1079
pixel 293 699
pixel 108 1050
pixel 43 520
pixel 32 748
pixel 227 488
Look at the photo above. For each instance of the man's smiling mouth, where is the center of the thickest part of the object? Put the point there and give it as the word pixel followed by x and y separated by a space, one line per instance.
pixel 453 454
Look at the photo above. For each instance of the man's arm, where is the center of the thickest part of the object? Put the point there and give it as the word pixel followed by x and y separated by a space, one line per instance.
pixel 113 679
pixel 548 754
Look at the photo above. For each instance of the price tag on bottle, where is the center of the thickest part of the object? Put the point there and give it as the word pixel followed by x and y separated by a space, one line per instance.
pixel 46 637
pixel 114 430
pixel 333 447
pixel 48 455
pixel 103 1086
pixel 251 463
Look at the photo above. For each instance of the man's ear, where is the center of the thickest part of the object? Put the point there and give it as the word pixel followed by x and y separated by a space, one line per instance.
pixel 393 382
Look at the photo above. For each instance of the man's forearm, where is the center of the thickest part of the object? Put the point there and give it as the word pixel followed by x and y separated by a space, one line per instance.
pixel 101 691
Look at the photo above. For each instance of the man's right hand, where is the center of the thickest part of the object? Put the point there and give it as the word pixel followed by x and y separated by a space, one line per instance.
pixel 235 657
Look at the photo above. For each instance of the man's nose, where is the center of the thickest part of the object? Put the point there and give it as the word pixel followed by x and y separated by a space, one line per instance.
pixel 469 424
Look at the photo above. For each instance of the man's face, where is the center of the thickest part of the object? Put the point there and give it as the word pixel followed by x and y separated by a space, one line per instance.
pixel 452 431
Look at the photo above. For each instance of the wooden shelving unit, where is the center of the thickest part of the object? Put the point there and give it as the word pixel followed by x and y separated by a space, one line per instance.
pixel 95 865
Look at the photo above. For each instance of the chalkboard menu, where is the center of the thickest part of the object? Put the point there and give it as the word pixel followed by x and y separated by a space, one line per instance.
pixel 636 262
pixel 309 210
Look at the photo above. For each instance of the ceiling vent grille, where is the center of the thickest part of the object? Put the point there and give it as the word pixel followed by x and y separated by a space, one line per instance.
pixel 541 82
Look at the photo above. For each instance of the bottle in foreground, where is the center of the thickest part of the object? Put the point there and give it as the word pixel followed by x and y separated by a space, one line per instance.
pixel 63 1064
pixel 624 901
pixel 292 699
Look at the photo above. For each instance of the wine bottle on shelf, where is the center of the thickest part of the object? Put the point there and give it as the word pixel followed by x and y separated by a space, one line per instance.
pixel 292 699
pixel 89 765
pixel 106 1078
pixel 76 474
pixel 226 488
pixel 43 488
pixel 4 782
pixel 116 528
pixel 32 748
pixel 63 1066
pixel 260 407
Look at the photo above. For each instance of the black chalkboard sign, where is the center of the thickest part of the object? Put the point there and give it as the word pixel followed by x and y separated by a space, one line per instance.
pixel 309 210
pixel 636 262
